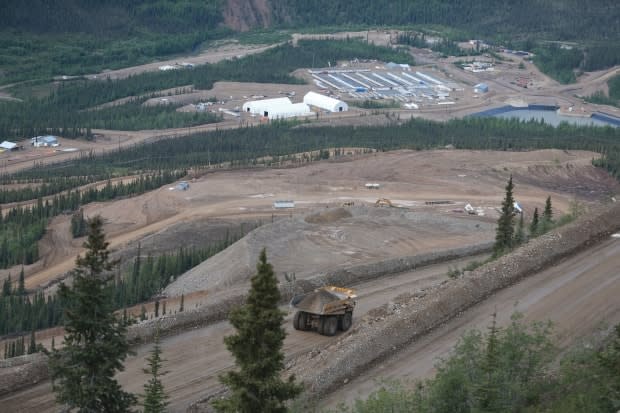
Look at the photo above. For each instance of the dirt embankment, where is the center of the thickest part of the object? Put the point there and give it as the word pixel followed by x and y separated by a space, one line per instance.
pixel 23 371
pixel 411 316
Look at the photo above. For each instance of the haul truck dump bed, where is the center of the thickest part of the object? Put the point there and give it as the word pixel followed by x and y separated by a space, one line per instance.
pixel 327 309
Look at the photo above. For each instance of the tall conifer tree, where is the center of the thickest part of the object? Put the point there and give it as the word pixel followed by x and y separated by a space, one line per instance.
pixel 95 343
pixel 257 348
pixel 505 224
pixel 155 398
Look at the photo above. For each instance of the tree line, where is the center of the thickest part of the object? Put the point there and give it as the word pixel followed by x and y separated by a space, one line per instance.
pixel 21 227
pixel 244 146
pixel 547 18
pixel 137 283
pixel 68 106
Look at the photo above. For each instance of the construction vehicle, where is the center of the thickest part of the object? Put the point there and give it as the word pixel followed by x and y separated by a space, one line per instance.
pixel 383 202
pixel 326 309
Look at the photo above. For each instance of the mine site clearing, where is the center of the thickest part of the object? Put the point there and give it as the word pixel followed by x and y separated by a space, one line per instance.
pixel 439 89
pixel 408 179
pixel 334 223
pixel 334 220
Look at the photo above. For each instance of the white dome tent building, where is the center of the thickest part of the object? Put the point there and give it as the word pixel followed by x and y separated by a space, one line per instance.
pixel 325 102
pixel 277 108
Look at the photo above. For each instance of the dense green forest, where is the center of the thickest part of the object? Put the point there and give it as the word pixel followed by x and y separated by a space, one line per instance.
pixel 37 42
pixel 568 19
pixel 510 369
pixel 42 38
pixel 562 63
pixel 66 107
pixel 612 98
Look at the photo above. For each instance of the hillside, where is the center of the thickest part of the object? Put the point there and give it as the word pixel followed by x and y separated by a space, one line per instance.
pixel 75 37
pixel 559 20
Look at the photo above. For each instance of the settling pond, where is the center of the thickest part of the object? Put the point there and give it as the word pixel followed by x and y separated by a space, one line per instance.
pixel 549 115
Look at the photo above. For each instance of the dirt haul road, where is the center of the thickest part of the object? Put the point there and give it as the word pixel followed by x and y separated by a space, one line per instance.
pixel 579 295
pixel 195 358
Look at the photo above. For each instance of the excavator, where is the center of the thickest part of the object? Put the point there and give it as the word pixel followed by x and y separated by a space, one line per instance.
pixel 383 202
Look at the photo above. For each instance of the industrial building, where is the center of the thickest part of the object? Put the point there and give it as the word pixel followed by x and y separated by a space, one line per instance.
pixel 8 146
pixel 481 88
pixel 278 108
pixel 325 102
pixel 42 141
pixel 284 204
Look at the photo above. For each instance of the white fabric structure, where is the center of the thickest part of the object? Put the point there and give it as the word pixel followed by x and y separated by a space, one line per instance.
pixel 291 111
pixel 325 102
pixel 9 146
pixel 278 108
pixel 259 107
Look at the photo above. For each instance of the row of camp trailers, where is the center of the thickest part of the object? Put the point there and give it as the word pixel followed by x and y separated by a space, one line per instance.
pixel 403 86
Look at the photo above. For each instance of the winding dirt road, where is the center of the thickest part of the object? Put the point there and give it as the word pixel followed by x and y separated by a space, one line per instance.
pixel 579 295
pixel 195 358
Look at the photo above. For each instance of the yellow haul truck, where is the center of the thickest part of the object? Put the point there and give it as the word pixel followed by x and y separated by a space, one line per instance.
pixel 326 309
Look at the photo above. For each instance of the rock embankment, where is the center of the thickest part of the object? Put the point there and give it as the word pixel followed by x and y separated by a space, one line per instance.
pixel 22 371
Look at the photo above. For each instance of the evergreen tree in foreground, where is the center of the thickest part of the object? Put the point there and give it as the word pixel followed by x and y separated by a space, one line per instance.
pixel 505 224
pixel 257 349
pixel 95 345
pixel 155 398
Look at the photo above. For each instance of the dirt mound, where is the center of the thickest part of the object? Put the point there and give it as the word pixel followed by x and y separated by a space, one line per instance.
pixel 328 216
pixel 338 239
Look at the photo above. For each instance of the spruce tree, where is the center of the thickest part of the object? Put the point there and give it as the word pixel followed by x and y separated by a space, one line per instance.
pixel 548 212
pixel 6 287
pixel 547 217
pixel 21 283
pixel 257 348
pixel 32 345
pixel 95 343
pixel 505 224
pixel 520 232
pixel 155 398
pixel 534 223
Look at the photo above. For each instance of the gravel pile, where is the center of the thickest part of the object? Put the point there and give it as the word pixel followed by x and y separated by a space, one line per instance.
pixel 331 239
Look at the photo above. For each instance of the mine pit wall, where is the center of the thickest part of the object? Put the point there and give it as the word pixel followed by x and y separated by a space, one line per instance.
pixel 414 315
pixel 218 311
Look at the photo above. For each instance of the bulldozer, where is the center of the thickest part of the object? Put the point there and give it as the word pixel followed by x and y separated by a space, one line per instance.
pixel 326 309
pixel 383 202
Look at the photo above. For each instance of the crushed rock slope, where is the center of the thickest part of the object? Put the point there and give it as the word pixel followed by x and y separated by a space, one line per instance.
pixel 331 239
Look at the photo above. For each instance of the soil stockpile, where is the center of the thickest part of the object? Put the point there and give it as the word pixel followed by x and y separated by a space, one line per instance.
pixel 329 240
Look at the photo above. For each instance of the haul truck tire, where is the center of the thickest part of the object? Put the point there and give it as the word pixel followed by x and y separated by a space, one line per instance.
pixel 345 322
pixel 300 321
pixel 328 325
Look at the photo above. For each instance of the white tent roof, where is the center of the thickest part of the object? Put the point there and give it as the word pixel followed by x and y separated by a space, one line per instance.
pixel 325 102
pixel 8 145
pixel 268 105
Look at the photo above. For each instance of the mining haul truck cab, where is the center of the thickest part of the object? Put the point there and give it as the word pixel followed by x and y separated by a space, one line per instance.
pixel 326 309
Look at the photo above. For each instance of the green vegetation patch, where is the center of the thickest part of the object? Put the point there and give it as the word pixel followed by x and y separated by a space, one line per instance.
pixel 613 99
